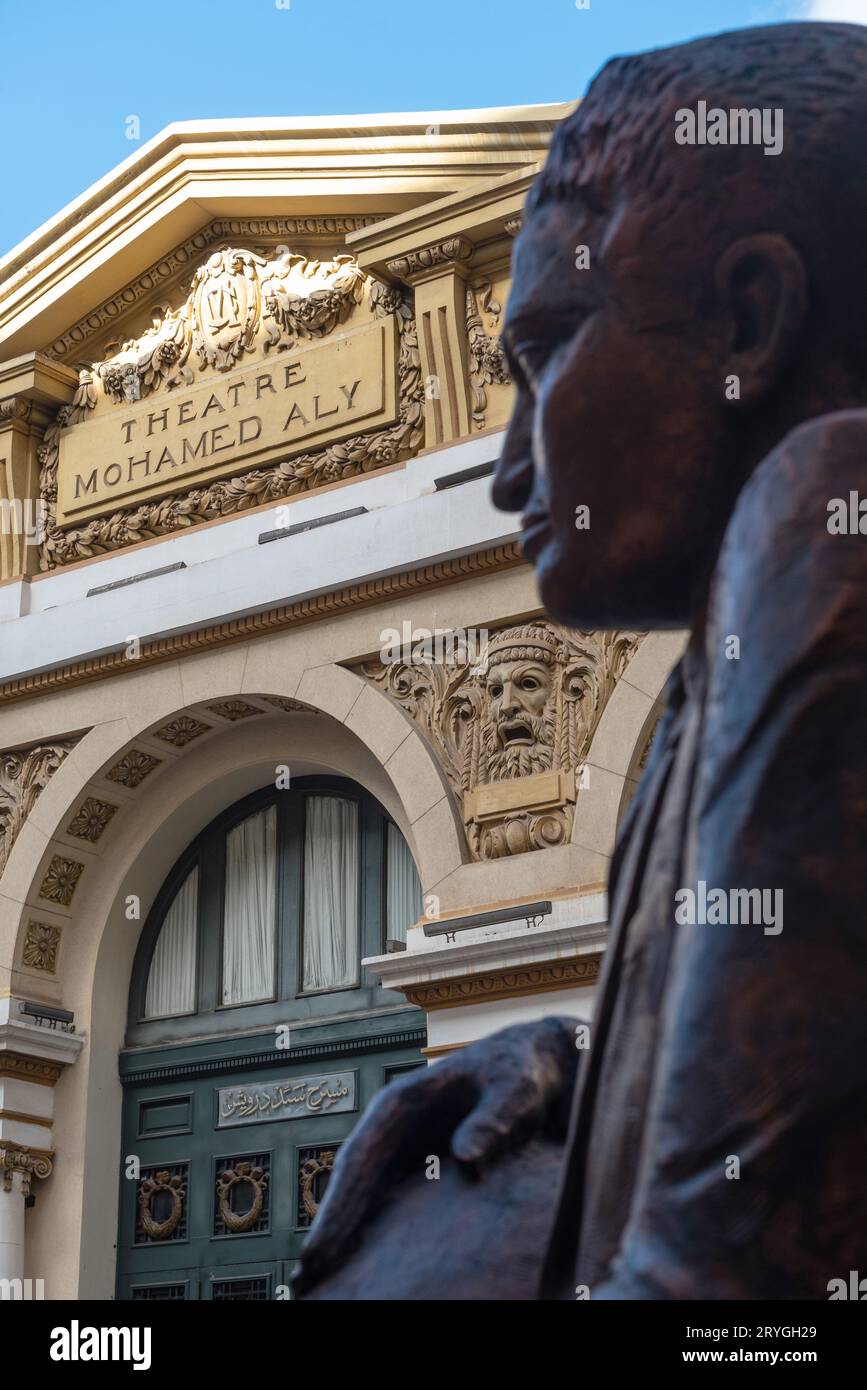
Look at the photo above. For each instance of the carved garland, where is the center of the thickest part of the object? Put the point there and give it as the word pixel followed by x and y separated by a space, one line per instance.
pixel 269 294
pixel 163 273
pixel 163 1181
pixel 487 360
pixel 242 1174
pixel 310 1171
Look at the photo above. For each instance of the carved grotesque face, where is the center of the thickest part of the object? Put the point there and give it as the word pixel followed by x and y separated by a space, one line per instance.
pixel 519 692
pixel 520 728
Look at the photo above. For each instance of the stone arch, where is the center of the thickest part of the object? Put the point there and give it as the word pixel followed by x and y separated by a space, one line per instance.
pixel 334 722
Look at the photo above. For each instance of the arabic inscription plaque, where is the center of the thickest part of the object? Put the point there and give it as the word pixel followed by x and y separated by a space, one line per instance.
pixel 292 1099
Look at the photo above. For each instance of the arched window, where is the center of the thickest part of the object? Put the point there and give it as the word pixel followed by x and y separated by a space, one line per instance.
pixel 272 909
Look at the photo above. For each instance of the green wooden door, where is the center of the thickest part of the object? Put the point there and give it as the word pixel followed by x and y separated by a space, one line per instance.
pixel 219 1210
pixel 235 1103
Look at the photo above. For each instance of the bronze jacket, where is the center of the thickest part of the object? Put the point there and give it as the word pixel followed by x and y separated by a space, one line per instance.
pixel 718 1145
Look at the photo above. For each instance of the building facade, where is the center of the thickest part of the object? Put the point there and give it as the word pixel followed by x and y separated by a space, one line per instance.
pixel 299 788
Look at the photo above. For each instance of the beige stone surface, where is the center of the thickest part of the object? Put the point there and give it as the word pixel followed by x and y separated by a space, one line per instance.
pixel 417 777
pixel 379 723
pixel 330 689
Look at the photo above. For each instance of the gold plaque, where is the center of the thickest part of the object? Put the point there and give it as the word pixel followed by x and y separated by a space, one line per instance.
pixel 275 407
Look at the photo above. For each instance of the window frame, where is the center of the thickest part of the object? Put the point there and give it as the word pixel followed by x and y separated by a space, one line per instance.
pixel 290 1002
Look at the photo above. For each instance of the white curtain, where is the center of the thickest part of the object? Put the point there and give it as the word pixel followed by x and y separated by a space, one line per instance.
pixel 251 909
pixel 330 893
pixel 171 987
pixel 403 886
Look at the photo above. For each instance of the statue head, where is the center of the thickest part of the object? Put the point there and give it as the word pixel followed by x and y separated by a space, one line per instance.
pixel 677 308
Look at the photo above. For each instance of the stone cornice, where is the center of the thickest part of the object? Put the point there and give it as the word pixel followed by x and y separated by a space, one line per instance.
pixel 288 166
pixel 505 984
pixel 500 965
pixel 34 379
pixel 29 1069
pixel 483 213
pixel 271 1057
pixel 431 260
pixel 32 1051
pixel 353 596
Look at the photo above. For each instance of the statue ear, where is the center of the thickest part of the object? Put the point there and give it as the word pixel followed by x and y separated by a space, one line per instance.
pixel 761 286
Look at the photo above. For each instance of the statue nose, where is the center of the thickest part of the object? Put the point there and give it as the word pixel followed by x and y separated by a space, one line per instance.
pixel 510 703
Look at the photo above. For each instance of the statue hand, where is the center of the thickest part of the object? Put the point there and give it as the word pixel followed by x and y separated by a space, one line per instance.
pixel 474 1104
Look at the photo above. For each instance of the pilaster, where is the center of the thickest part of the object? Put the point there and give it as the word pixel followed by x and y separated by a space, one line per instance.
pixel 32 389
pixel 437 274
pixel 32 1057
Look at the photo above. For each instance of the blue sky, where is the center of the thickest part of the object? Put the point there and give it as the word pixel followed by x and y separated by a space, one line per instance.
pixel 74 70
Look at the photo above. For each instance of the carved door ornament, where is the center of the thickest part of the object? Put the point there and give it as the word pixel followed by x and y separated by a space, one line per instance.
pixel 311 1169
pixel 243 1174
pixel 176 1188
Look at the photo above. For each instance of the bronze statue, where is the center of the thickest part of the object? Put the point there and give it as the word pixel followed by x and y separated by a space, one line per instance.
pixel 697 378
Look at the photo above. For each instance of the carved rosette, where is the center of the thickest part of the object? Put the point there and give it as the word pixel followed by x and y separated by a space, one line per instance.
pixel 181 731
pixel 233 710
pixel 40 946
pixel 24 774
pixel 512 730
pixel 91 819
pixel 240 302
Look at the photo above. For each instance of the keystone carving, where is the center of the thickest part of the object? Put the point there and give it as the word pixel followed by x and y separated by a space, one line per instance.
pixel 512 731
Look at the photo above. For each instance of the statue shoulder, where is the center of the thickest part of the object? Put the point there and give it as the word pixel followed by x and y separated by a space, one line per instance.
pixel 792 569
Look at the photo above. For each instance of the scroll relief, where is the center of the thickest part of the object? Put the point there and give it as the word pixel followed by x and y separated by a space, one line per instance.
pixel 24 775
pixel 512 729
pixel 242 370
pixel 487 358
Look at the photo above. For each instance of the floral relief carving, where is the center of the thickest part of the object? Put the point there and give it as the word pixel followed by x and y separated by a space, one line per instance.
pixel 91 819
pixel 133 768
pixel 24 774
pixel 182 731
pixel 234 709
pixel 61 880
pixel 239 302
pixel 512 731
pixel 40 946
